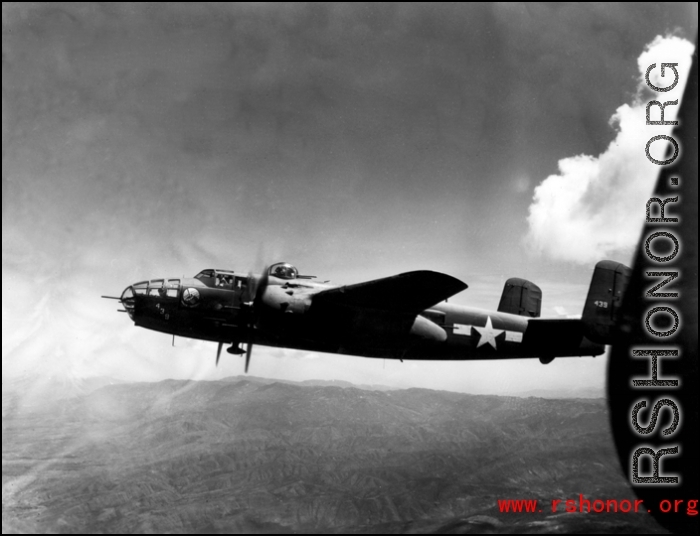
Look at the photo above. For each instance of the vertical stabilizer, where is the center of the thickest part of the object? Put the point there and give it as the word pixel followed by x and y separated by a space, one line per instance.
pixel 603 302
pixel 521 297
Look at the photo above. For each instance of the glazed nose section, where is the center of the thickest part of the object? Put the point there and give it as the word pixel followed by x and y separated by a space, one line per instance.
pixel 128 300
pixel 152 304
pixel 130 297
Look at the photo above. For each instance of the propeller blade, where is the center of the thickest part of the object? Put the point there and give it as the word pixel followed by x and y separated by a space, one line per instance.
pixel 249 351
pixel 218 353
pixel 249 347
pixel 262 285
pixel 255 290
pixel 250 288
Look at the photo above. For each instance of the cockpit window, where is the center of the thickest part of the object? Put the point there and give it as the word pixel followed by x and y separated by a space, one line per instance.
pixel 141 288
pixel 224 280
pixel 283 270
pixel 156 287
pixel 173 288
pixel 212 277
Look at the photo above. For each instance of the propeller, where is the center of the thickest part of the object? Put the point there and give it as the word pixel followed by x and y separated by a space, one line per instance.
pixel 255 292
pixel 251 310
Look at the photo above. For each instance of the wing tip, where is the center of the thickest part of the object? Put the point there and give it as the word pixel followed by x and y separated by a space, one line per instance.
pixel 445 280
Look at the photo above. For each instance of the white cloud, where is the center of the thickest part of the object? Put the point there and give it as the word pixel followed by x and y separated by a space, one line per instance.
pixel 595 206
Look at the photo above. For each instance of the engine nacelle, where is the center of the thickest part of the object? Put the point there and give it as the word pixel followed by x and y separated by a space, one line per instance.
pixel 427 330
pixel 286 300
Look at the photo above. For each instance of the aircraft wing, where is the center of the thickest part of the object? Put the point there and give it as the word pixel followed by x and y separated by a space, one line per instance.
pixel 410 292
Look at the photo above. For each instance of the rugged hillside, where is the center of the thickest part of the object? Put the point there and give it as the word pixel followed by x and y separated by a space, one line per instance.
pixel 234 456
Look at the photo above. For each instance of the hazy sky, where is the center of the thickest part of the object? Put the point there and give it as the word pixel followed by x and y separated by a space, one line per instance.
pixel 354 141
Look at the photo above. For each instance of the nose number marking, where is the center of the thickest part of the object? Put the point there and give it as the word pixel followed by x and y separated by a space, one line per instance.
pixel 162 311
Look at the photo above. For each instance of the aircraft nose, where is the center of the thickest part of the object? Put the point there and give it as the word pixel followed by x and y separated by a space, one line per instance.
pixel 128 300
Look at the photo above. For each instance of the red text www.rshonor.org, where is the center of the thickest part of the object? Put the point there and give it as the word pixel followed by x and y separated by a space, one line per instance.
pixel 595 505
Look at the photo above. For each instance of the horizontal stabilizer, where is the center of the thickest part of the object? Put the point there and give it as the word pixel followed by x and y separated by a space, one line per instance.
pixel 521 297
pixel 410 292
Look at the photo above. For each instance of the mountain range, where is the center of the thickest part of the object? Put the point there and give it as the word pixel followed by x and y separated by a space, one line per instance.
pixel 254 455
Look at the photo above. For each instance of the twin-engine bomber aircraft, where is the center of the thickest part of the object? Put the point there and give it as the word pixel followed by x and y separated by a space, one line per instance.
pixel 400 317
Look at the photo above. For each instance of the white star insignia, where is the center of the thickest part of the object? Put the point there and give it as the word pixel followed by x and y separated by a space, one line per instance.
pixel 488 334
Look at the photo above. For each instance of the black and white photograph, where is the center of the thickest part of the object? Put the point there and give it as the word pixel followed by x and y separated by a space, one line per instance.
pixel 349 268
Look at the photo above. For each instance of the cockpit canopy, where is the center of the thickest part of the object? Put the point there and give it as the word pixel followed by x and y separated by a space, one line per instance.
pixel 213 272
pixel 215 277
pixel 283 270
pixel 218 277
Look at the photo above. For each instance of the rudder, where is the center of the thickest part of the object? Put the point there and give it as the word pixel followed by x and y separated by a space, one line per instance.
pixel 521 297
pixel 603 301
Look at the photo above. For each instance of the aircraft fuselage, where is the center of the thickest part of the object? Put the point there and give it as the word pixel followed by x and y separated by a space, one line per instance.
pixel 207 309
